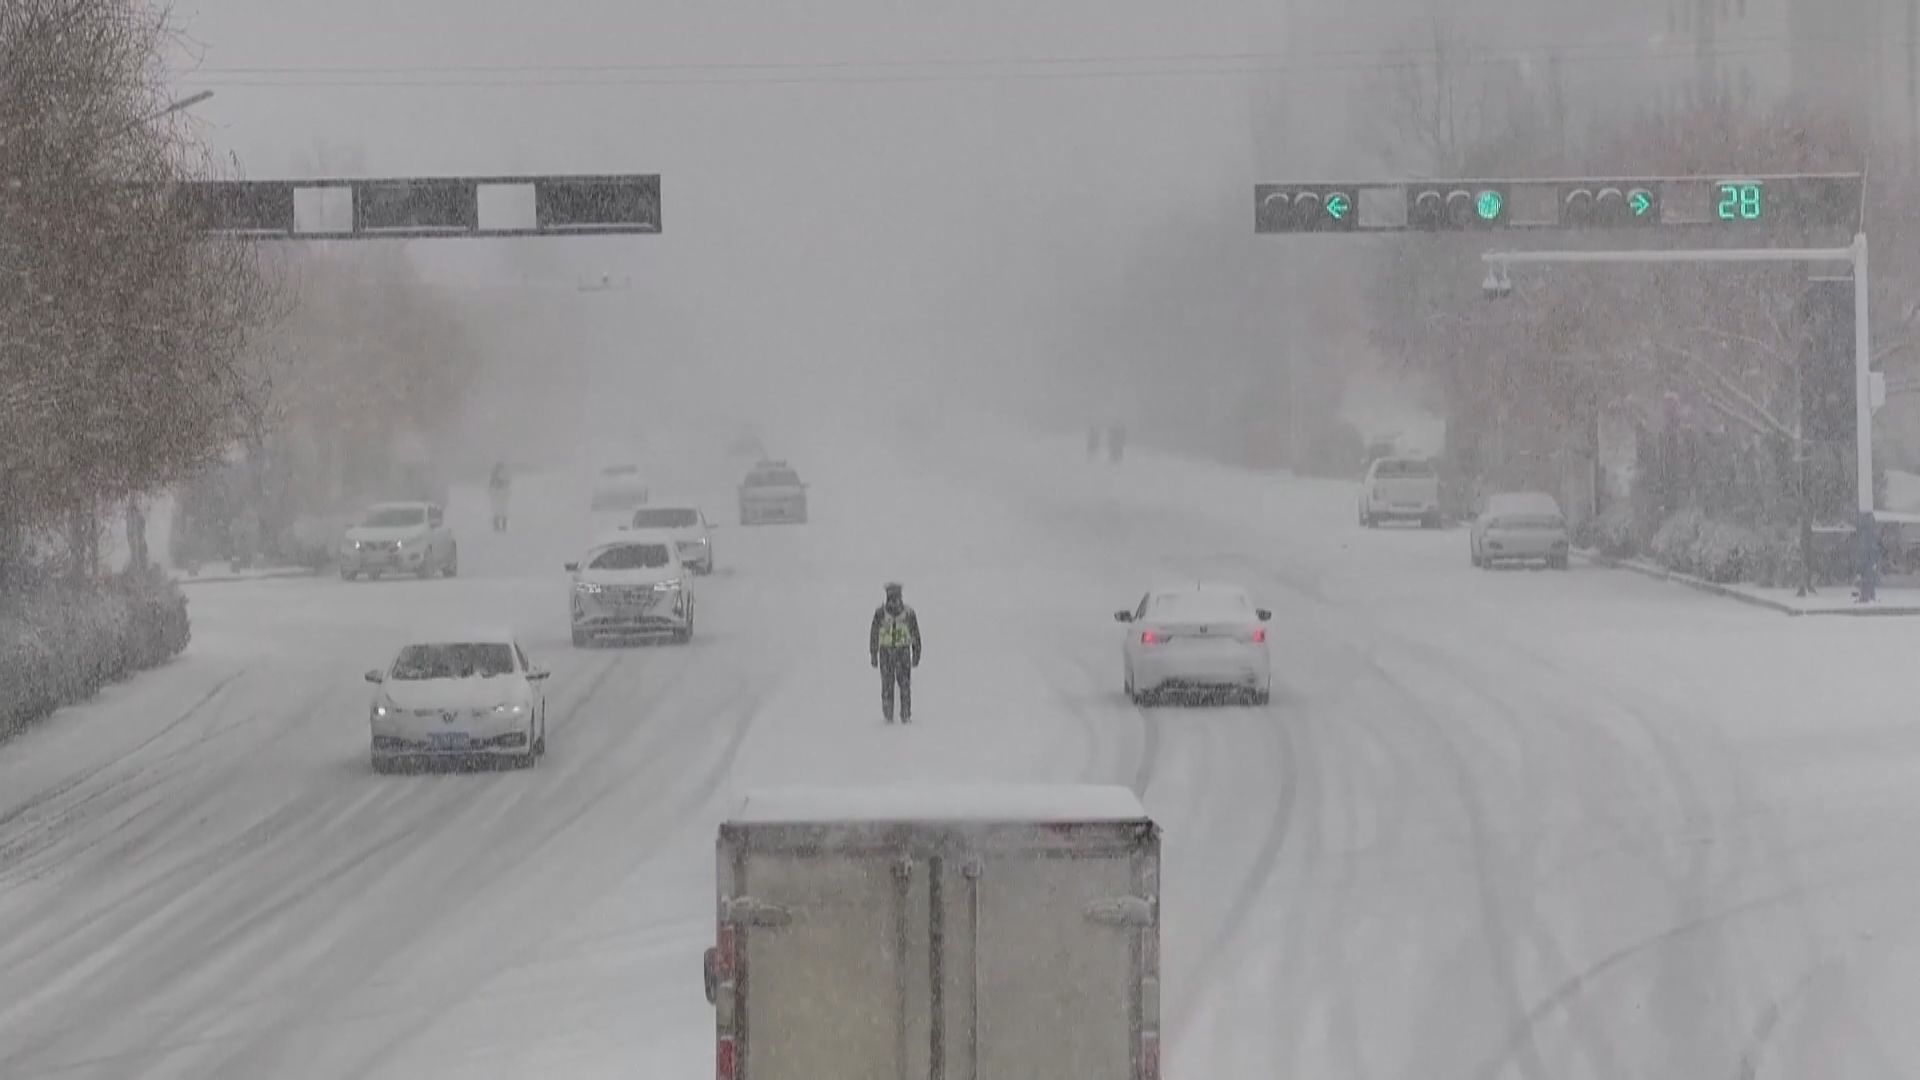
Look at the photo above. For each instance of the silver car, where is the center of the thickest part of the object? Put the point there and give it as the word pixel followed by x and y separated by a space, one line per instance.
pixel 400 538
pixel 1520 527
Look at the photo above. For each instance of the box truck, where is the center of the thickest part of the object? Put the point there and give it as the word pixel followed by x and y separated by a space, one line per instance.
pixel 982 933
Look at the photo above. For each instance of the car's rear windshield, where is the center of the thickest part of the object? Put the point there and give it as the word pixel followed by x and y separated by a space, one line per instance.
pixel 630 557
pixel 1398 469
pixel 1200 606
pixel 606 501
pixel 666 518
pixel 394 517
pixel 774 478
pixel 454 660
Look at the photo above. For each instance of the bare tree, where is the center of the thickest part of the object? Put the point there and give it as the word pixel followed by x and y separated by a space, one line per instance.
pixel 124 364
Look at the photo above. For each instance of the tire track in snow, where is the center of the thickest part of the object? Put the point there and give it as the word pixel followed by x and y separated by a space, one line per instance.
pixel 1587 1031
pixel 1698 877
pixel 1275 828
pixel 1500 926
pixel 648 691
pixel 189 713
pixel 744 707
pixel 200 872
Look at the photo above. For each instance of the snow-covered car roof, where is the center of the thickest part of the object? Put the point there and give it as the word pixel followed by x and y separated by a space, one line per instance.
pixel 1523 502
pixel 990 803
pixel 454 635
pixel 1200 588
pixel 632 536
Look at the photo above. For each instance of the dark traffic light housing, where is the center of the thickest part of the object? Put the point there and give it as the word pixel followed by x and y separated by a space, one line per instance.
pixel 1456 206
pixel 1608 204
pixel 1290 208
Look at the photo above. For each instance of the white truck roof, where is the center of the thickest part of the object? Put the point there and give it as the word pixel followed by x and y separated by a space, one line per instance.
pixel 990 803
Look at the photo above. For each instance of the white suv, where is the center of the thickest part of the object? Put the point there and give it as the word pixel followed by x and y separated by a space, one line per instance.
pixel 1400 489
pixel 631 584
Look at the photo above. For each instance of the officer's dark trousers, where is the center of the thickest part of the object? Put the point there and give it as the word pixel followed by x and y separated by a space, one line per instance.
pixel 896 668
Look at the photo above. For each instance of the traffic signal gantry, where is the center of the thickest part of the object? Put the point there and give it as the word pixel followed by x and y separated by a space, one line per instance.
pixel 1806 200
pixel 428 207
pixel 1727 205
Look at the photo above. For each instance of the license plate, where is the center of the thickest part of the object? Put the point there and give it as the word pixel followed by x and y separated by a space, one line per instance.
pixel 448 741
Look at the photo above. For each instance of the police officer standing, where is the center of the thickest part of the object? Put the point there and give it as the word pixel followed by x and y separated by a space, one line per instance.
pixel 893 646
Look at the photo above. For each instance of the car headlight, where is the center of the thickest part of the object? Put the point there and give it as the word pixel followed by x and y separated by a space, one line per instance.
pixel 667 586
pixel 587 587
pixel 384 709
pixel 510 710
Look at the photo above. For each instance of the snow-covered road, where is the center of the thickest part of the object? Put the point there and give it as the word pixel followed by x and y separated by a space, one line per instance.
pixel 1515 824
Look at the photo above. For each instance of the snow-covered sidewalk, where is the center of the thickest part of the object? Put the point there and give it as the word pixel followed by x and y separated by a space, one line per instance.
pixel 1828 600
pixel 257 573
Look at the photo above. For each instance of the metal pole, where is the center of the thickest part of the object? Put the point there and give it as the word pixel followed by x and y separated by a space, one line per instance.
pixel 1679 255
pixel 1862 374
pixel 1867 533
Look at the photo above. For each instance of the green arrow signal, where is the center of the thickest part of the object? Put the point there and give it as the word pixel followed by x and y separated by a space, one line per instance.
pixel 1337 206
pixel 1640 203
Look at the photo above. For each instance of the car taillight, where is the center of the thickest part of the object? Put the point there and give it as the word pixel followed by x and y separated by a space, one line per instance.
pixel 1259 635
pixel 1149 1057
pixel 1148 637
pixel 723 1060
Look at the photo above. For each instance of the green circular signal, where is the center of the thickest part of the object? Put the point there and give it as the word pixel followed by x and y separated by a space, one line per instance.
pixel 1489 205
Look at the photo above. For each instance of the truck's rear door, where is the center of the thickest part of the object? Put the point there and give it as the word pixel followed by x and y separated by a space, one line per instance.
pixel 1058 991
pixel 835 978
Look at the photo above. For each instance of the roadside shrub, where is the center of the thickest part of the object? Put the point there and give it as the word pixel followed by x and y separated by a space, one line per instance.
pixel 1724 550
pixel 1611 534
pixel 1775 561
pixel 1673 543
pixel 60 643
pixel 1689 542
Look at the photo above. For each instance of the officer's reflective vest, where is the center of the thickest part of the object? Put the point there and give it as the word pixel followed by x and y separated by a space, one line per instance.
pixel 895 631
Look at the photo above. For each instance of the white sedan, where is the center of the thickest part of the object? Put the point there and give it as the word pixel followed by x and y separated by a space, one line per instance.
pixel 460 698
pixel 1205 638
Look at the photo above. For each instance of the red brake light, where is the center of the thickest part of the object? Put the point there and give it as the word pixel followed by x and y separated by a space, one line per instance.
pixel 1150 1057
pixel 1148 637
pixel 726 952
pixel 1259 635
pixel 723 1060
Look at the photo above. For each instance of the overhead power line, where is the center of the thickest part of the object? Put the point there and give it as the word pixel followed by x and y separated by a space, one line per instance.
pixel 981 70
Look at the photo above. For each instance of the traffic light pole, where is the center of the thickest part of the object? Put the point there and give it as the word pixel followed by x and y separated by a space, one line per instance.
pixel 1855 255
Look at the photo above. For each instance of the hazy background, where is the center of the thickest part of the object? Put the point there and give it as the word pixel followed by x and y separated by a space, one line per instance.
pixel 1040 205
